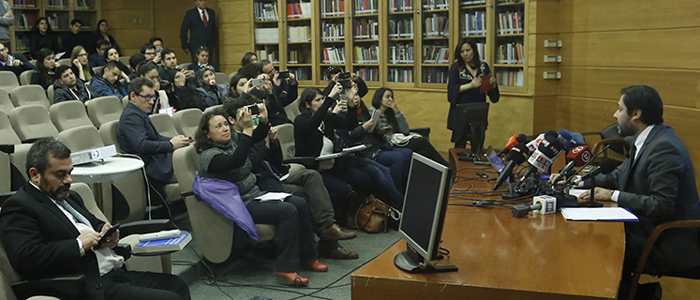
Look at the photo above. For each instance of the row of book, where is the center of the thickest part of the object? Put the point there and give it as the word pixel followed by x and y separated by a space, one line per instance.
pixel 273 56
pixel 400 75
pixel 509 1
pixel 332 31
pixel 24 3
pixel 510 78
pixel 332 8
pixel 25 21
pixel 473 2
pixel 510 53
pixel 481 48
pixel 402 28
pixel 267 35
pixel 21 43
pixel 333 55
pixel 365 29
pixel 473 23
pixel 301 73
pixel 366 7
pixel 366 55
pixel 299 57
pixel 436 54
pixel 434 75
pixel 301 10
pixel 60 21
pixel 81 4
pixel 60 4
pixel 400 5
pixel 265 11
pixel 368 74
pixel 401 54
pixel 436 26
pixel 299 33
pixel 510 22
pixel 436 4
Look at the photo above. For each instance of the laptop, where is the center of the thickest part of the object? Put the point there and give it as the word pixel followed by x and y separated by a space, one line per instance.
pixel 495 162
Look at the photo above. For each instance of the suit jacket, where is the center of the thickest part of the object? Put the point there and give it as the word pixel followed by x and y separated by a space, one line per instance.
pixel 26 65
pixel 659 187
pixel 137 135
pixel 199 35
pixel 41 242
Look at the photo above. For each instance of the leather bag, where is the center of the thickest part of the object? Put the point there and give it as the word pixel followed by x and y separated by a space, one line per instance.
pixel 372 215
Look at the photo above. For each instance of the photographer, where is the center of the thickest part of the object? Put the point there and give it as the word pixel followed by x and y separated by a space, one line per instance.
pixel 334 75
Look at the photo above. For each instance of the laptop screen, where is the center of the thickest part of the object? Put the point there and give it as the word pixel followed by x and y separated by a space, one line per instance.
pixel 496 162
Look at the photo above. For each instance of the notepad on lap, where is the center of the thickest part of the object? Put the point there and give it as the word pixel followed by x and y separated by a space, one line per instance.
pixel 598 214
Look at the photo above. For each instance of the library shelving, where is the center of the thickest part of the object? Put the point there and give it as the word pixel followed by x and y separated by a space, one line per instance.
pixel 59 14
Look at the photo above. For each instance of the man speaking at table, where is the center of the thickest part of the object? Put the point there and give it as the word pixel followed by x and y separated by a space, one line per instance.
pixel 656 183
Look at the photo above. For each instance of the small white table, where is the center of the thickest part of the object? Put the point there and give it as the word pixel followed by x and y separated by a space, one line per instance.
pixel 107 170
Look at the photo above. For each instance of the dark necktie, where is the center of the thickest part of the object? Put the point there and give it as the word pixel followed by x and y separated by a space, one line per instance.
pixel 78 217
pixel 204 19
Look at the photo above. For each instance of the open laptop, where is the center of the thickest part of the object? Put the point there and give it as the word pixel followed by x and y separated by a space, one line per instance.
pixel 496 162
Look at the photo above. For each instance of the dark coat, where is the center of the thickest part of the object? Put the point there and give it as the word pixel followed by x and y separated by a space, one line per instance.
pixel 199 35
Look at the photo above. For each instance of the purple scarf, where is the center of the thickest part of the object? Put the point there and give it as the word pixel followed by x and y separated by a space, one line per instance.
pixel 223 196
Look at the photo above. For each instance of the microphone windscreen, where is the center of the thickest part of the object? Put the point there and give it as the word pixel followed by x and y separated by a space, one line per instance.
pixel 577 139
pixel 551 133
pixel 522 138
pixel 518 154
pixel 580 155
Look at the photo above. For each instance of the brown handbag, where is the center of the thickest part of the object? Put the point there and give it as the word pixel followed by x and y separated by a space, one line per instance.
pixel 372 215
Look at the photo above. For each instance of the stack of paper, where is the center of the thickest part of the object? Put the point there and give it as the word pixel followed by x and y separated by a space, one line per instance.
pixel 598 214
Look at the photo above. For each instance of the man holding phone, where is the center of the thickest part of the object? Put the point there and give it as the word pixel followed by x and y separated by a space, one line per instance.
pixel 285 83
pixel 47 232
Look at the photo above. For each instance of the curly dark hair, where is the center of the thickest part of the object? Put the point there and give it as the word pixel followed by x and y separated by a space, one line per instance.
pixel 202 141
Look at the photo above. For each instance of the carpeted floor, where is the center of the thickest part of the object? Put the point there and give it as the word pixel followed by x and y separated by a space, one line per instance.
pixel 251 275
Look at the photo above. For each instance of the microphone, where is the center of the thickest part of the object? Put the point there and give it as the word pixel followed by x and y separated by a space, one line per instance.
pixel 516 156
pixel 512 141
pixel 590 174
pixel 576 140
pixel 532 145
pixel 541 204
pixel 564 137
pixel 568 180
pixel 548 150
pixel 581 155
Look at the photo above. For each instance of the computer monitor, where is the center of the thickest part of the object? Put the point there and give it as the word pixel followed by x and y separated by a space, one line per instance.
pixel 423 215
pixel 471 121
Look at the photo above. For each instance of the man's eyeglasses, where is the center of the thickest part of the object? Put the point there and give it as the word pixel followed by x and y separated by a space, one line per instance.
pixel 149 97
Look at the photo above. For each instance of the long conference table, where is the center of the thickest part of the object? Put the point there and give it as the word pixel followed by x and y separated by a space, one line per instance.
pixel 503 257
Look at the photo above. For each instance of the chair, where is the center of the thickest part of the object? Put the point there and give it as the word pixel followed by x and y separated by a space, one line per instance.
pixel 98 69
pixel 164 125
pixel 285 135
pixel 108 133
pixel 125 101
pixel 7 133
pixel 222 78
pixel 29 94
pixel 231 75
pixel 184 66
pixel 209 226
pixel 292 110
pixel 50 93
pixel 80 138
pixel 26 77
pixel 693 274
pixel 213 107
pixel 32 122
pixel 101 110
pixel 33 62
pixel 8 80
pixel 63 62
pixel 124 60
pixel 69 114
pixel 186 121
pixel 5 102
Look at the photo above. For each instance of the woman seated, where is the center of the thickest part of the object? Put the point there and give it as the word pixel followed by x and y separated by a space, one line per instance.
pixel 102 33
pixel 209 91
pixel 397 159
pixel 45 67
pixel 112 54
pixel 237 86
pixel 80 66
pixel 314 135
pixel 224 156
pixel 393 121
pixel 42 37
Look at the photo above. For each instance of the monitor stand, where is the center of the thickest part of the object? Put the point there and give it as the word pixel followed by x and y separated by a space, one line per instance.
pixel 410 261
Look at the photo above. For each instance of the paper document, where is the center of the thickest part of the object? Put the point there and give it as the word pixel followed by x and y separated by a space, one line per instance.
pixel 331 156
pixel 375 117
pixel 576 192
pixel 598 214
pixel 355 148
pixel 273 197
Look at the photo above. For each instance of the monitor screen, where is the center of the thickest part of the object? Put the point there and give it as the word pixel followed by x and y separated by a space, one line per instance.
pixel 425 205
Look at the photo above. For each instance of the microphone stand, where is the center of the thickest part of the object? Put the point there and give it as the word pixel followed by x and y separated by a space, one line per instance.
pixel 591 202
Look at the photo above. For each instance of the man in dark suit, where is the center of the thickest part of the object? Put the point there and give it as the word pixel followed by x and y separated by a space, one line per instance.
pixel 137 135
pixel 48 232
pixel 657 183
pixel 201 22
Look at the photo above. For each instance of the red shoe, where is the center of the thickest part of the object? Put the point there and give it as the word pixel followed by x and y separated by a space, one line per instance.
pixel 291 278
pixel 314 265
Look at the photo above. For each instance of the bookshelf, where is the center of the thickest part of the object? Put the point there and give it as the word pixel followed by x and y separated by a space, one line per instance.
pixel 59 14
pixel 404 44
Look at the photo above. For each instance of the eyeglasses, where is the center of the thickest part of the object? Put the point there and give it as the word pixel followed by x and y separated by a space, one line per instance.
pixel 82 55
pixel 149 97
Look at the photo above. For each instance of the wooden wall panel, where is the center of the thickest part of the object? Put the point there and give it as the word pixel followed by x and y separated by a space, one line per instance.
pixel 236 28
pixel 168 19
pixel 606 15
pixel 129 34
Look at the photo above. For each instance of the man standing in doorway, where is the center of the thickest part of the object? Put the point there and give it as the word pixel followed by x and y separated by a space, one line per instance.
pixel 201 22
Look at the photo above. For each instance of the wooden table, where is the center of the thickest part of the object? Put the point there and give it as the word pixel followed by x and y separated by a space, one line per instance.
pixel 502 257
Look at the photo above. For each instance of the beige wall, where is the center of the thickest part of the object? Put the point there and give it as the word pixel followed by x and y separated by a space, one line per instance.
pixel 129 23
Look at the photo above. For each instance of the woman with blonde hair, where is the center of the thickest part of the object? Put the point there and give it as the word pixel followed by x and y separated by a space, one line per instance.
pixel 79 64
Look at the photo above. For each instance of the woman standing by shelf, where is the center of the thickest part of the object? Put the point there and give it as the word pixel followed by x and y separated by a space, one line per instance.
pixel 464 86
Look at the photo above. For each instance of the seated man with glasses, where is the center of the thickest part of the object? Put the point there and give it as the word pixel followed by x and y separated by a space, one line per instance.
pixel 136 134
pixel 16 63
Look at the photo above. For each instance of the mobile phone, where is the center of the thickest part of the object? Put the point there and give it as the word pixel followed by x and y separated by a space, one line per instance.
pixel 258 81
pixel 283 75
pixel 109 233
pixel 254 109
pixel 344 76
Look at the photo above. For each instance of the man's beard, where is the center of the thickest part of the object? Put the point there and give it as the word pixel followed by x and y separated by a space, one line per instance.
pixel 625 130
pixel 59 194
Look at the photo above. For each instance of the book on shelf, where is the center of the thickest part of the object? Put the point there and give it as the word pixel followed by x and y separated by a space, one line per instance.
pixel 24 3
pixel 267 35
pixel 364 29
pixel 298 33
pixel 400 75
pixel 333 55
pixel 332 31
pixel 436 4
pixel 510 53
pixel 299 10
pixel 436 26
pixel 510 22
pixel 21 43
pixel 402 28
pixel 400 5
pixel 367 55
pixel 510 78
pixel 300 73
pixel 332 8
pixel 265 11
pixel 436 54
pixel 299 56
pixel 434 75
pixel 401 54
pixel 58 4
pixel 164 245
pixel 366 7
pixel 272 56
pixel 473 23
pixel 81 4
pixel 368 74
pixel 473 2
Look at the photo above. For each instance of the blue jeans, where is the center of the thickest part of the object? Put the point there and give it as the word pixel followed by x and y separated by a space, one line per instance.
pixel 398 160
pixel 356 172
